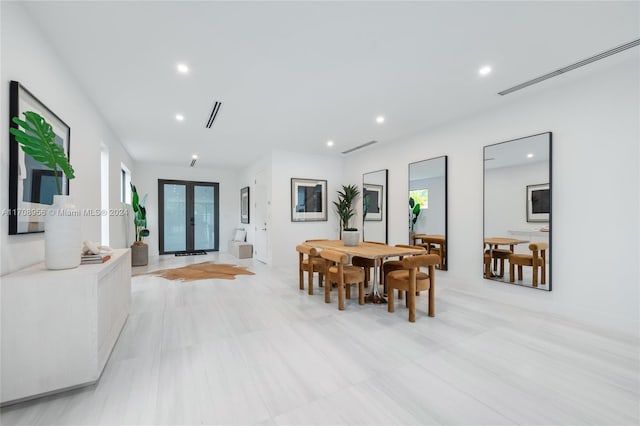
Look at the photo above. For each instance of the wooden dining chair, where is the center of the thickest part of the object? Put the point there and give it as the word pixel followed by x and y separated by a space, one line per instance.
pixel 395 265
pixel 411 279
pixel 343 275
pixel 366 264
pixel 310 264
pixel 537 259
pixel 498 255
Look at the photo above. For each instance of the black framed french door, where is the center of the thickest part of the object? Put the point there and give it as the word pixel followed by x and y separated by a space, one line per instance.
pixel 189 216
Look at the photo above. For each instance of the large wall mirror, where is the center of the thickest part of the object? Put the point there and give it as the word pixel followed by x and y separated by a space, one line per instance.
pixel 428 206
pixel 517 211
pixel 374 206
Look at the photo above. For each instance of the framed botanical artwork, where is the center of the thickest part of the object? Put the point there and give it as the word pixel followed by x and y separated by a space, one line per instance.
pixel 308 200
pixel 32 185
pixel 538 203
pixel 244 205
pixel 372 201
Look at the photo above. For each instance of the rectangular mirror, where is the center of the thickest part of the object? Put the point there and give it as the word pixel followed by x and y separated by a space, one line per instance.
pixel 428 206
pixel 517 211
pixel 374 206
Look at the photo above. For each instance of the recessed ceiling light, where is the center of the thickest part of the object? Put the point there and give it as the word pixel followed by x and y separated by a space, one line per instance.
pixel 179 117
pixel 194 156
pixel 486 70
pixel 183 68
pixel 529 155
pixel 379 119
pixel 329 143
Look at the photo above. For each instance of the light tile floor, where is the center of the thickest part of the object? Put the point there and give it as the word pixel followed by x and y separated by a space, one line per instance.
pixel 259 351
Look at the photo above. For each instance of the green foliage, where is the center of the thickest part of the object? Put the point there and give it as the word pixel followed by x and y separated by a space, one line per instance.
pixel 38 140
pixel 140 218
pixel 344 205
pixel 414 212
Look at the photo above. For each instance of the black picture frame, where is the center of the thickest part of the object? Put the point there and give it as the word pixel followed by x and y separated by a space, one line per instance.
pixel 308 200
pixel 244 205
pixel 26 208
pixel 538 203
pixel 376 200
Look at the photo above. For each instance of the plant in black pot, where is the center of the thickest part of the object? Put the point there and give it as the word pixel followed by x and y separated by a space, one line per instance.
pixel 139 250
pixel 344 208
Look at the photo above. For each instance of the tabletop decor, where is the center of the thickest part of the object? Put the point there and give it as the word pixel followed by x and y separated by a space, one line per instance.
pixel 345 210
pixel 308 200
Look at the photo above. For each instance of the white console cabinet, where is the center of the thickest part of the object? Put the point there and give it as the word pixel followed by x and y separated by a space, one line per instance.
pixel 59 327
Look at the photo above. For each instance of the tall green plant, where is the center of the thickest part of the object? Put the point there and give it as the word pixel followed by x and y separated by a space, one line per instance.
pixel 344 206
pixel 38 140
pixel 140 218
pixel 414 212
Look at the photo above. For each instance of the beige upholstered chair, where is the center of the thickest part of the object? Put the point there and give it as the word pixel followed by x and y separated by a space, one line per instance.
pixel 498 255
pixel 411 279
pixel 343 275
pixel 537 259
pixel 310 264
pixel 394 265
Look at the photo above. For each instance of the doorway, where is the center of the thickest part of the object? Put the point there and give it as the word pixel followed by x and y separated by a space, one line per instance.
pixel 189 216
pixel 262 216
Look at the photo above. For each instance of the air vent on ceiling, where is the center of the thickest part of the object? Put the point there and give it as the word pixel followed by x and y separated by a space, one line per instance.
pixel 572 66
pixel 364 145
pixel 213 114
pixel 193 162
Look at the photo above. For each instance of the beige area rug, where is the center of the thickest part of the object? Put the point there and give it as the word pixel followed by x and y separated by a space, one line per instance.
pixel 201 271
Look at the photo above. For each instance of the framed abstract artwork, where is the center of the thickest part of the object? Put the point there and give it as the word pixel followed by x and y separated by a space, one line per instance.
pixel 308 200
pixel 538 203
pixel 372 199
pixel 32 185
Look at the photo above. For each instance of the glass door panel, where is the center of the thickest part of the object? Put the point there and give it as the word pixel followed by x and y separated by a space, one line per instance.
pixel 203 217
pixel 175 210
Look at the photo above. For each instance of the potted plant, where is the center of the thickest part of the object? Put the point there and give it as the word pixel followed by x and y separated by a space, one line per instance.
pixel 414 212
pixel 139 250
pixel 62 225
pixel 344 208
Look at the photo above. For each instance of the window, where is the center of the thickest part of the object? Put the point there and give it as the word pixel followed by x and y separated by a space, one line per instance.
pixel 125 184
pixel 420 196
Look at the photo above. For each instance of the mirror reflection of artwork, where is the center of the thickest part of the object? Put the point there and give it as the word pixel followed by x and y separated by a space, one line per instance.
pixel 428 190
pixel 308 200
pixel 516 231
pixel 374 203
pixel 32 185
pixel 244 205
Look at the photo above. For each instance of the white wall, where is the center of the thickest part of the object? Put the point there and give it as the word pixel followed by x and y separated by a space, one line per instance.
pixel 595 125
pixel 285 235
pixel 26 57
pixel 146 181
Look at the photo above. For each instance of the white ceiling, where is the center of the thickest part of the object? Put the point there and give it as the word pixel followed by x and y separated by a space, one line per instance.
pixel 292 75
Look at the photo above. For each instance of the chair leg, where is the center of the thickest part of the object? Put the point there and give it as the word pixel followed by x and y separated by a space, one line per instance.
pixel 320 279
pixel 487 269
pixel 301 273
pixel 361 293
pixel 310 279
pixel 543 278
pixel 341 296
pixel 534 280
pixel 519 272
pixel 501 268
pixel 348 290
pixel 400 294
pixel 367 276
pixel 411 301
pixel 512 272
pixel 390 303
pixel 432 300
pixel 327 291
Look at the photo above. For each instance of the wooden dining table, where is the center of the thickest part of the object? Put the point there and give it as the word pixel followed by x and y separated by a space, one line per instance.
pixel 376 252
pixel 495 242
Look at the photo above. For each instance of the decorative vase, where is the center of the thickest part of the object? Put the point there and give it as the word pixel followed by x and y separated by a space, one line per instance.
pixel 62 234
pixel 139 254
pixel 351 238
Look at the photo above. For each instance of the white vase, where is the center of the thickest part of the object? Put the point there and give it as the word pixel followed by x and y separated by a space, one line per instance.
pixel 62 234
pixel 351 238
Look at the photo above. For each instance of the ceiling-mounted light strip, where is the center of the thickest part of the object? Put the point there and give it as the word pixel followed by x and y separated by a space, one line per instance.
pixel 364 145
pixel 571 67
pixel 213 114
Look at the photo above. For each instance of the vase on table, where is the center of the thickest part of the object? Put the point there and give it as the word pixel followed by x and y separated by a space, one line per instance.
pixel 351 238
pixel 62 234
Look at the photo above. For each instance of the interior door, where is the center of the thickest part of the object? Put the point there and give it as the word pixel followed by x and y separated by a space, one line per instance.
pixel 262 215
pixel 189 216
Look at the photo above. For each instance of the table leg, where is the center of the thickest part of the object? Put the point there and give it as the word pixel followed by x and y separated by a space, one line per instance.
pixel 375 296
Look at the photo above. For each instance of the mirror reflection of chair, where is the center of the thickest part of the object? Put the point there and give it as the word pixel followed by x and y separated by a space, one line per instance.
pixel 395 265
pixel 497 255
pixel 537 259
pixel 343 275
pixel 310 264
pixel 411 279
